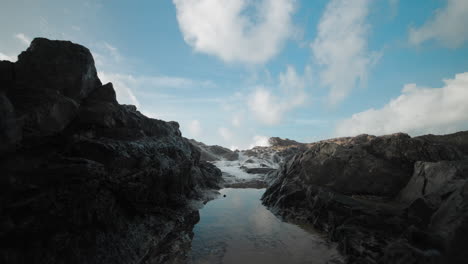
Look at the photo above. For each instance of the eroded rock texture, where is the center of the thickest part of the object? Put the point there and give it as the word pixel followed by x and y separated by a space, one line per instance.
pixel 84 179
pixel 388 199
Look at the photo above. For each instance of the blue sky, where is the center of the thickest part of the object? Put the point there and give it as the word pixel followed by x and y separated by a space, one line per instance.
pixel 235 72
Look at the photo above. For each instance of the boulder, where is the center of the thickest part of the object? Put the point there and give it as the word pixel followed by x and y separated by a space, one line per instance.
pixel 51 78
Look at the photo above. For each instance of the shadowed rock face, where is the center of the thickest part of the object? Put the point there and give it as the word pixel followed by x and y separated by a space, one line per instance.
pixel 389 199
pixel 84 179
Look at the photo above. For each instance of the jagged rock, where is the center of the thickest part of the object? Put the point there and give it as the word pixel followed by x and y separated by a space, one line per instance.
pixel 434 180
pixel 442 187
pixel 450 224
pixel 355 191
pixel 279 142
pixel 90 181
pixel 259 170
pixel 458 140
pixel 214 153
pixel 380 166
pixel 50 80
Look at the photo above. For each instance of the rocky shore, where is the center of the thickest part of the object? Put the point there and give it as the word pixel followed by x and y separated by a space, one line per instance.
pixel 84 179
pixel 250 168
pixel 387 199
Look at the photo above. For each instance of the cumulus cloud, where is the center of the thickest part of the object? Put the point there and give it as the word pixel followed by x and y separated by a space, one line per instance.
pixel 236 30
pixel 23 38
pixel 265 106
pixel 194 128
pixel 269 108
pixel 447 26
pixel 417 110
pixel 341 47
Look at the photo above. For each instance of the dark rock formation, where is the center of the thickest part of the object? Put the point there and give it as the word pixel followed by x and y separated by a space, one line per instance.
pixel 259 170
pixel 274 154
pixel 242 184
pixel 459 139
pixel 84 179
pixel 215 152
pixel 279 142
pixel 389 199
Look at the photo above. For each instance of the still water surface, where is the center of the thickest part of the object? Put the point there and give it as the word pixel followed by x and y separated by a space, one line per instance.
pixel 239 229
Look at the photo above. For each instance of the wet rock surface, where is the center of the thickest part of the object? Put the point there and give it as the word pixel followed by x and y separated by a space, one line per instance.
pixel 388 199
pixel 84 179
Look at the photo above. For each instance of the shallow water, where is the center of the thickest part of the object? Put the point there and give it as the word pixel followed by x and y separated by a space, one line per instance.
pixel 239 229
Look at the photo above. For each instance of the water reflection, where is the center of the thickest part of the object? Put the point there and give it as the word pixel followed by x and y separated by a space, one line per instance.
pixel 239 229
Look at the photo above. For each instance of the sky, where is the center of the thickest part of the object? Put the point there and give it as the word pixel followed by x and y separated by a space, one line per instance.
pixel 236 72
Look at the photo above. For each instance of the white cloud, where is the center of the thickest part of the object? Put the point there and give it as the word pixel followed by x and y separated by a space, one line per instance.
pixel 341 47
pixel 23 38
pixel 6 57
pixel 269 108
pixel 417 110
pixel 265 106
pixel 236 30
pixel 225 133
pixel 448 26
pixel 122 86
pixel 194 128
pixel 259 141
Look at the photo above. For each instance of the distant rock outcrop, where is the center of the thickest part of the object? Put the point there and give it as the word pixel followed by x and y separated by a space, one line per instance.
pixel 387 199
pixel 279 142
pixel 260 162
pixel 84 179
pixel 214 152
